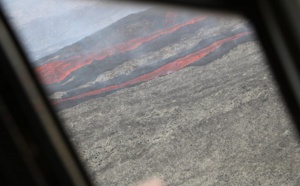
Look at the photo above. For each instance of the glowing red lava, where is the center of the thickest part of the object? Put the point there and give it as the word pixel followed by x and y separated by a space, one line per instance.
pixel 56 71
pixel 164 70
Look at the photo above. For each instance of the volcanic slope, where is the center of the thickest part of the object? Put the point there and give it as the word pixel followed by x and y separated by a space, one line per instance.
pixel 134 50
pixel 194 103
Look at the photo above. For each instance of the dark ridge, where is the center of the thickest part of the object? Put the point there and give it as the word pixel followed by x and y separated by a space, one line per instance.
pixel 90 72
pixel 139 70
pixel 134 25
pixel 226 47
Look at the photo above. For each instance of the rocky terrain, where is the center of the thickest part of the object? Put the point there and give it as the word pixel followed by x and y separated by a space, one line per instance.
pixel 184 97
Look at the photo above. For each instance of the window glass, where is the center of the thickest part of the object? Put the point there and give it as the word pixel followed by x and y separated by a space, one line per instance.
pixel 161 95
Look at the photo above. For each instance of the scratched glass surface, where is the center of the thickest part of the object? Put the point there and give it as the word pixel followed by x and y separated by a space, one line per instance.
pixel 159 95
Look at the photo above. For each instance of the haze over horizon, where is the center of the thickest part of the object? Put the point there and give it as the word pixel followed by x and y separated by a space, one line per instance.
pixel 47 26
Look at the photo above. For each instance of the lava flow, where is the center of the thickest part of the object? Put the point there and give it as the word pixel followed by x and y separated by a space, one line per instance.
pixel 164 70
pixel 56 71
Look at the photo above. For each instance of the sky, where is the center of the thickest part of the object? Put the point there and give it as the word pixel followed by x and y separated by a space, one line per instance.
pixel 45 26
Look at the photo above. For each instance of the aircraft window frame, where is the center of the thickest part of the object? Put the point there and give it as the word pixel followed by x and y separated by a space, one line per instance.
pixel 25 102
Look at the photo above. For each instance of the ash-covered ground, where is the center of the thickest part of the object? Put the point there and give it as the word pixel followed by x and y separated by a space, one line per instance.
pixel 219 124
pixel 184 97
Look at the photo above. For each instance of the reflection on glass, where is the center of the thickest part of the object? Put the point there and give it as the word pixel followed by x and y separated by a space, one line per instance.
pixel 173 97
